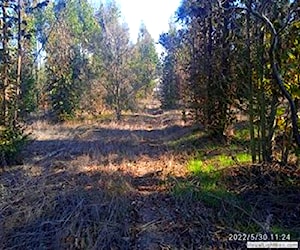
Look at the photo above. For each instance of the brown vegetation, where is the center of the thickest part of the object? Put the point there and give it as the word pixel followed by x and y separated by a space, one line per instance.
pixel 109 185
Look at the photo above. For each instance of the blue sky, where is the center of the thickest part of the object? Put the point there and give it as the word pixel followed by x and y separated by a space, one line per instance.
pixel 154 13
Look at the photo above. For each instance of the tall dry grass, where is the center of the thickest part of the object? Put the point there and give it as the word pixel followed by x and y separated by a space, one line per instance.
pixel 79 182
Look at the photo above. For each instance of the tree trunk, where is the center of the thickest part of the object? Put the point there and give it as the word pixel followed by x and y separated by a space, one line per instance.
pixel 4 85
pixel 19 64
pixel 262 98
pixel 251 92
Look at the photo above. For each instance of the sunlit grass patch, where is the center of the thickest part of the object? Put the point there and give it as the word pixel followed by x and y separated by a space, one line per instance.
pixel 206 170
pixel 203 184
pixel 195 166
pixel 243 158
pixel 224 160
pixel 188 139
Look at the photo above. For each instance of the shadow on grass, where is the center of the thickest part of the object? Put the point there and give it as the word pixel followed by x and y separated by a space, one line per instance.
pixel 105 145
pixel 67 211
pixel 247 199
pixel 98 210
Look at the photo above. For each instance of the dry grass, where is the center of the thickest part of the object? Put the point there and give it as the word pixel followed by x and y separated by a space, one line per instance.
pixel 65 211
pixel 110 185
pixel 82 183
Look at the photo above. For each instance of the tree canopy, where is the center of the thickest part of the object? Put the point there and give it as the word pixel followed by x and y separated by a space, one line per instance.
pixel 229 57
pixel 221 59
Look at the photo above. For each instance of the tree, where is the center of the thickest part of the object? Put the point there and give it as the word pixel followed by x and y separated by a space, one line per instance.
pixel 145 61
pixel 67 60
pixel 223 73
pixel 115 51
pixel 207 34
pixel 15 33
pixel 169 84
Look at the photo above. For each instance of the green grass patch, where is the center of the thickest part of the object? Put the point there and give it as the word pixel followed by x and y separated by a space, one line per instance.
pixel 236 210
pixel 242 134
pixel 195 166
pixel 188 139
pixel 204 184
pixel 243 158
pixel 206 172
pixel 224 161
pixel 292 234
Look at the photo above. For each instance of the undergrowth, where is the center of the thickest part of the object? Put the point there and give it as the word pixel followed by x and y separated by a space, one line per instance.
pixel 11 143
pixel 244 198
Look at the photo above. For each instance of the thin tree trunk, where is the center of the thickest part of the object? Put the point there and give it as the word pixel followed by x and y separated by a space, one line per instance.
pixel 4 114
pixel 271 126
pixel 19 65
pixel 224 99
pixel 208 107
pixel 262 97
pixel 251 92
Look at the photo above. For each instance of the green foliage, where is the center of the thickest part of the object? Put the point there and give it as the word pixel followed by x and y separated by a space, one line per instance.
pixel 144 63
pixel 11 143
pixel 203 185
pixel 201 67
pixel 218 60
pixel 16 80
pixel 29 96
pixel 126 70
pixel 169 83
pixel 68 73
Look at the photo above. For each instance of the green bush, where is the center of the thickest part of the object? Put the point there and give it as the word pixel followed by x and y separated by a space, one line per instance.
pixel 11 143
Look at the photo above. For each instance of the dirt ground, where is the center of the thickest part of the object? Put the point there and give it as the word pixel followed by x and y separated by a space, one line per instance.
pixel 102 184
pixel 99 185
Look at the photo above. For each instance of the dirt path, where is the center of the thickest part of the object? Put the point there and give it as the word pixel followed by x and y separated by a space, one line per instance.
pixel 124 185
pixel 130 162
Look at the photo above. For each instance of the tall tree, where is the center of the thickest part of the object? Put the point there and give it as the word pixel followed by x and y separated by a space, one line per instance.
pixel 115 51
pixel 145 61
pixel 65 47
pixel 15 33
pixel 223 72
pixel 169 84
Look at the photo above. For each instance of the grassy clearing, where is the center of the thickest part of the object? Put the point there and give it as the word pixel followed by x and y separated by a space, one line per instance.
pixel 82 183
pixel 121 185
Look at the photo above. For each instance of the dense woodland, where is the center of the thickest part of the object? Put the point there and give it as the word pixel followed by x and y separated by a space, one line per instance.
pixel 89 161
pixel 221 58
pixel 65 59
pixel 232 57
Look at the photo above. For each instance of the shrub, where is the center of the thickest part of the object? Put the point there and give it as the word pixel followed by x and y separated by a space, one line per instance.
pixel 11 142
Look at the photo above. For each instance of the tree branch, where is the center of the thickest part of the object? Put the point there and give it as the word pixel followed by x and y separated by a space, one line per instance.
pixel 275 68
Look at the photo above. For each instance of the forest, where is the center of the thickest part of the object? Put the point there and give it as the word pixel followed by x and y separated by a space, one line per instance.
pixel 107 144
